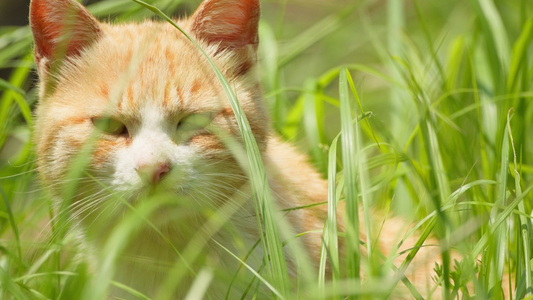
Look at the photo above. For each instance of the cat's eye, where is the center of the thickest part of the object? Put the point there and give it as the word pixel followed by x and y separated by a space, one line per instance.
pixel 111 126
pixel 195 122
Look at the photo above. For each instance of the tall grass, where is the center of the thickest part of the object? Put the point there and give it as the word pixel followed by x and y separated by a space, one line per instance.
pixel 419 110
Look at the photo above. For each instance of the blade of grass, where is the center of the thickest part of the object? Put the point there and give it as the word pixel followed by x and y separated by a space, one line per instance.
pixel 10 287
pixel 429 41
pixel 268 51
pixel 496 41
pixel 13 223
pixel 364 188
pixel 312 115
pixel 477 100
pixel 200 285
pixel 349 153
pixel 363 113
pixel 330 245
pixel 129 289
pixel 496 249
pixel 508 210
pixel 18 78
pixel 256 274
pixel 525 224
pixel 518 61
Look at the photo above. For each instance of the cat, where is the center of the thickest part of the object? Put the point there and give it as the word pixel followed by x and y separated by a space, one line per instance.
pixel 145 108
pixel 152 134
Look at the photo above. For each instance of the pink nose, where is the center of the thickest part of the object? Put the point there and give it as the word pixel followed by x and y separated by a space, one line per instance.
pixel 153 173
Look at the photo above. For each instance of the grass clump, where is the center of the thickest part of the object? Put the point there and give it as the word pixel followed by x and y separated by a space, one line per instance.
pixel 423 112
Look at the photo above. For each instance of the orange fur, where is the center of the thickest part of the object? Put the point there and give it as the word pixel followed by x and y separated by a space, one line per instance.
pixel 124 72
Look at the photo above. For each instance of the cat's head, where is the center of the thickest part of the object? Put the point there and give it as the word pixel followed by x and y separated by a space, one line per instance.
pixel 141 103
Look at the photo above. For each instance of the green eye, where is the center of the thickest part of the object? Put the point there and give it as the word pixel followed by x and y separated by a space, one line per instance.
pixel 110 126
pixel 195 122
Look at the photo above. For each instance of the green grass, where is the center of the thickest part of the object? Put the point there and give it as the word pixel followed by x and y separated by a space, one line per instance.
pixel 421 111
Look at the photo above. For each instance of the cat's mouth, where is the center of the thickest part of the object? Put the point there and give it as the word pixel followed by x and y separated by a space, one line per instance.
pixel 154 192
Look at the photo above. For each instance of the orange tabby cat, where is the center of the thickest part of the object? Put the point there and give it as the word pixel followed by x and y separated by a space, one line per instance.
pixel 143 102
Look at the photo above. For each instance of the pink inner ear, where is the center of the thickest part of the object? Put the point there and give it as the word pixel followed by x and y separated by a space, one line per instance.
pixel 61 23
pixel 232 23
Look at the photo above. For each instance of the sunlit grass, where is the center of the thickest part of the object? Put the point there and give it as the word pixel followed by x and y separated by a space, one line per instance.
pixel 424 117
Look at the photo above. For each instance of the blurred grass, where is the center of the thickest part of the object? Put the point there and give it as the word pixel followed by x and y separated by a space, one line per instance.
pixel 442 140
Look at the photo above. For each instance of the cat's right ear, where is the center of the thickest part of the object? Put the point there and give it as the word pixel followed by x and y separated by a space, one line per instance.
pixel 230 24
pixel 61 29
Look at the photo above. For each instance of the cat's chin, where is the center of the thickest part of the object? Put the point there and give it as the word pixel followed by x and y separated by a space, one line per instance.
pixel 138 192
pixel 160 199
pixel 152 193
pixel 159 211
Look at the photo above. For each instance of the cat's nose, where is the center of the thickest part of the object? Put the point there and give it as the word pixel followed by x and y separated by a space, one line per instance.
pixel 153 173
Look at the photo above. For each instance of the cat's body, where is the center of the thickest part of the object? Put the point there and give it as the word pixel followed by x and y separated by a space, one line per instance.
pixel 143 102
pixel 150 86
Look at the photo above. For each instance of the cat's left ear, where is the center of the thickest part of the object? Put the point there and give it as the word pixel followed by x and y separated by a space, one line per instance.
pixel 61 29
pixel 230 24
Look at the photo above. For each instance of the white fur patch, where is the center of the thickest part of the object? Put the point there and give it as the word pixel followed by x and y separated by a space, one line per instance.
pixel 152 144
